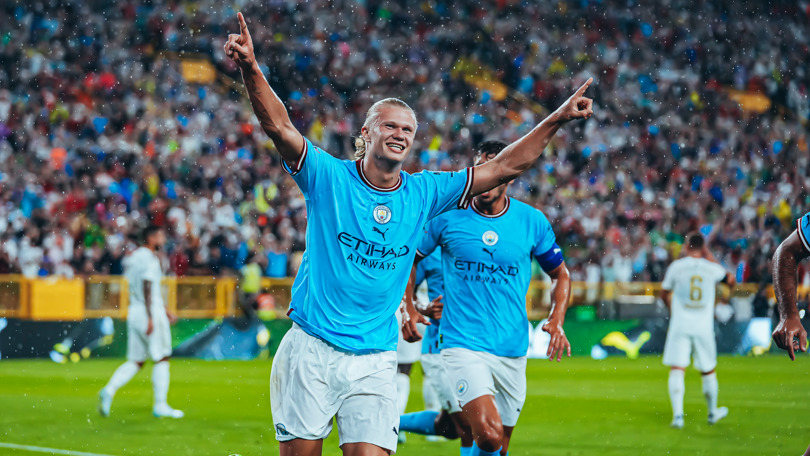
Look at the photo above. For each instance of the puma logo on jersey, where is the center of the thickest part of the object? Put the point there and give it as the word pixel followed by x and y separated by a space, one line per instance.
pixel 377 230
pixel 491 256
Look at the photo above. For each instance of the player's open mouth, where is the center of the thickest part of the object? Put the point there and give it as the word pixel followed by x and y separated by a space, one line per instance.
pixel 396 147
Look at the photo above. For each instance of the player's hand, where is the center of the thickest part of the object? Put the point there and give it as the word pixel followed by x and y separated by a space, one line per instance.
pixel 559 342
pixel 149 327
pixel 785 333
pixel 172 317
pixel 576 107
pixel 434 310
pixel 410 317
pixel 239 48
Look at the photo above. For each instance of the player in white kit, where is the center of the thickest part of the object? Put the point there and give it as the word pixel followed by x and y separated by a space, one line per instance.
pixel 688 291
pixel 148 322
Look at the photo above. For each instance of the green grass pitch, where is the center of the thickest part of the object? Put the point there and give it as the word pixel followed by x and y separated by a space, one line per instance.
pixel 577 407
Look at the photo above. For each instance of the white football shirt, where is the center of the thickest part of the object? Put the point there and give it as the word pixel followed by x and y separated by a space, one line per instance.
pixel 693 282
pixel 143 264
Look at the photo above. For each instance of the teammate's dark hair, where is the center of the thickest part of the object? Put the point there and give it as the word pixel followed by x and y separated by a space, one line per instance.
pixel 694 241
pixel 148 232
pixel 490 148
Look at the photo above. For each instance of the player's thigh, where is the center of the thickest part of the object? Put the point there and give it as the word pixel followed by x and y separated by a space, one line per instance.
pixel 468 373
pixel 510 386
pixel 137 341
pixel 368 410
pixel 677 349
pixel 160 341
pixel 302 401
pixel 705 351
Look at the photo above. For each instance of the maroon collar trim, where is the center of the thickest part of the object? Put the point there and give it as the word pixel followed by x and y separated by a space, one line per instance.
pixel 359 164
pixel 503 211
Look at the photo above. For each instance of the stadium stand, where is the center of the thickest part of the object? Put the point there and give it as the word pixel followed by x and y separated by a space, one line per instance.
pixel 118 114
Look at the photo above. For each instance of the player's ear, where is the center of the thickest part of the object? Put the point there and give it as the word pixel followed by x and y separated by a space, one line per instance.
pixel 365 133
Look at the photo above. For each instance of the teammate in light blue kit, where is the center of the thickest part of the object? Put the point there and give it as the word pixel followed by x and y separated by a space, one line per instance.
pixel 487 252
pixel 364 220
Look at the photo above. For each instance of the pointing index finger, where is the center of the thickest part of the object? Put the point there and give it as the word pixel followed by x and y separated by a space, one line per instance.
pixel 584 87
pixel 242 24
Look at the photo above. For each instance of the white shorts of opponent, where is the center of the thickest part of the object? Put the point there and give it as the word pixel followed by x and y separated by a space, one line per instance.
pixel 474 374
pixel 155 346
pixel 312 382
pixel 436 376
pixel 680 347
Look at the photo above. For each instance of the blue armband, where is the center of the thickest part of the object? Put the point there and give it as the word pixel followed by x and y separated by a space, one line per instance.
pixel 552 259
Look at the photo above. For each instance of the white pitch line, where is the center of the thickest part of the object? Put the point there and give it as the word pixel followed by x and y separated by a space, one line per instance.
pixel 38 449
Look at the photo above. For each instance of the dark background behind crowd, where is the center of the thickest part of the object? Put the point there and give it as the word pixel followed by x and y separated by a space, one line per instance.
pixel 100 133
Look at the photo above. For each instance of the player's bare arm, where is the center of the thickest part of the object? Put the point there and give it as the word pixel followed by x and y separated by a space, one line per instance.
pixel 521 154
pixel 785 264
pixel 147 299
pixel 410 315
pixel 267 106
pixel 666 296
pixel 560 294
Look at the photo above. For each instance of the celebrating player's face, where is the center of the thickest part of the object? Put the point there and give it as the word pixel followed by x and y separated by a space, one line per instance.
pixel 494 194
pixel 391 137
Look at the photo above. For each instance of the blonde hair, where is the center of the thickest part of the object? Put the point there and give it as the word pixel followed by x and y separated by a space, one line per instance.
pixel 373 119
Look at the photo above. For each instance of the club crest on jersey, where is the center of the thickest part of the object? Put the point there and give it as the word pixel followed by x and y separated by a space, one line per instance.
pixel 382 214
pixel 461 387
pixel 490 238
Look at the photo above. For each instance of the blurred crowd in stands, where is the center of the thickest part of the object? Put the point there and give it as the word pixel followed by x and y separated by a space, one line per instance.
pixel 701 123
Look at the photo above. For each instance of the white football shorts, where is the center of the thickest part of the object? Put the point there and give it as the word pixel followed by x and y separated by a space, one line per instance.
pixel 155 346
pixel 681 346
pixel 474 374
pixel 312 382
pixel 436 376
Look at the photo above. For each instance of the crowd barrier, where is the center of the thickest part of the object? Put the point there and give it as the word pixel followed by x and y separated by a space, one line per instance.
pixel 61 299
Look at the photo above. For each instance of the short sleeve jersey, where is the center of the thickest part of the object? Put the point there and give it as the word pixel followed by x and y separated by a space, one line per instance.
pixel 693 282
pixel 361 245
pixel 141 265
pixel 486 264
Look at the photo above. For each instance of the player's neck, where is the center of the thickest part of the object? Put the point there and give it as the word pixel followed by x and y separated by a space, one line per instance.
pixel 694 254
pixel 491 208
pixel 381 173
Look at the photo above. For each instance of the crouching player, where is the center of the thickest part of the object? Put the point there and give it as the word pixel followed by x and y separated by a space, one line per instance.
pixel 486 259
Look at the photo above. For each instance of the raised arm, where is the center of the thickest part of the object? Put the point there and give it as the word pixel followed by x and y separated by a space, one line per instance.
pixel 267 106
pixel 785 265
pixel 519 156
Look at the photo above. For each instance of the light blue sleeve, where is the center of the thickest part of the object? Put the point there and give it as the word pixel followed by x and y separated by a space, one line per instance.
pixel 430 238
pixel 803 228
pixel 446 190
pixel 313 169
pixel 544 238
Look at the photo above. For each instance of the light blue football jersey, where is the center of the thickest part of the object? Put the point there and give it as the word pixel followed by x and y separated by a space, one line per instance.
pixel 430 270
pixel 486 264
pixel 803 228
pixel 361 243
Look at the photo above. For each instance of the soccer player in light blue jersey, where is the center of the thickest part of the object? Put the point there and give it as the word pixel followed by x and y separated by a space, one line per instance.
pixel 364 218
pixel 487 250
pixel 445 419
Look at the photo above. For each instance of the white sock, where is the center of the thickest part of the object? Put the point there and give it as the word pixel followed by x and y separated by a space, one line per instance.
pixel 429 396
pixel 676 391
pixel 160 382
pixel 403 390
pixel 710 390
pixel 122 376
